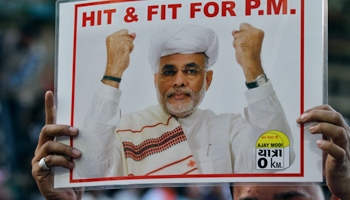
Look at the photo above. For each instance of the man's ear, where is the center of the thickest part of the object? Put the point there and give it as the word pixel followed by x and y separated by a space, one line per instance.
pixel 209 78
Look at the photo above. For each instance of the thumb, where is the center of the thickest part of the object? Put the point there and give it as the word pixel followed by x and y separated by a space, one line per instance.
pixel 133 35
pixel 234 32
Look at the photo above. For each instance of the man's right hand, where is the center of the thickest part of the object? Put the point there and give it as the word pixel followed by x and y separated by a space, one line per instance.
pixel 54 153
pixel 119 46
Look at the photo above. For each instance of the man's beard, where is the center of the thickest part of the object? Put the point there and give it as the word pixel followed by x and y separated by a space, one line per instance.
pixel 187 107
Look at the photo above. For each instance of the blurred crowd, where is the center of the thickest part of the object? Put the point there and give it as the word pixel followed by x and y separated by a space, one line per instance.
pixel 26 72
pixel 27 39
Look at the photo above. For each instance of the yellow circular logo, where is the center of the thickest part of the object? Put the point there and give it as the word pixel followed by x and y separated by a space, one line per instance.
pixel 272 139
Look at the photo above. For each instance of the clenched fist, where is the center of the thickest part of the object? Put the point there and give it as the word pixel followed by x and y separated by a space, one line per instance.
pixel 247 42
pixel 119 46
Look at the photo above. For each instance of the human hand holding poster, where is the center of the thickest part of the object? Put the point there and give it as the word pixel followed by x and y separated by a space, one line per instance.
pixel 259 64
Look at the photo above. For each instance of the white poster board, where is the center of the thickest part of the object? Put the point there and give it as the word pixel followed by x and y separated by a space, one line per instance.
pixel 292 57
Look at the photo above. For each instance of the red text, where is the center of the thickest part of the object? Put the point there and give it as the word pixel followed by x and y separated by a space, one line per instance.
pixel 92 18
pixel 153 10
pixel 226 7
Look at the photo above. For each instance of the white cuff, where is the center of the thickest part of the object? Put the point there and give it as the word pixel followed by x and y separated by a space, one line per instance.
pixel 108 92
pixel 257 94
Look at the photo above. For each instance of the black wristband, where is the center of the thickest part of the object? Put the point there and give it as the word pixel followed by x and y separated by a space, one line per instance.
pixel 112 78
pixel 251 85
pixel 257 82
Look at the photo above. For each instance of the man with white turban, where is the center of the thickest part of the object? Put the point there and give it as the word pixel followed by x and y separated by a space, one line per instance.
pixel 183 39
pixel 175 137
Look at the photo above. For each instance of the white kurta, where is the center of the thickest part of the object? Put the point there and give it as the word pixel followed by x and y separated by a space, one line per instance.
pixel 220 144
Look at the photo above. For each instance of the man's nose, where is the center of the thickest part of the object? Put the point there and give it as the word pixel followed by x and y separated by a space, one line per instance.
pixel 180 79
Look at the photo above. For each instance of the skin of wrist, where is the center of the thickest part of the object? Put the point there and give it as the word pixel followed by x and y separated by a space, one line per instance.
pixel 252 73
pixel 252 68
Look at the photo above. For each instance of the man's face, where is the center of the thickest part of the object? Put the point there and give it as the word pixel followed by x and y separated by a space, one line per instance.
pixel 181 83
pixel 312 192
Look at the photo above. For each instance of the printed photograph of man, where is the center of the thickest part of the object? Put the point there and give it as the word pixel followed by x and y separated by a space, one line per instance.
pixel 175 137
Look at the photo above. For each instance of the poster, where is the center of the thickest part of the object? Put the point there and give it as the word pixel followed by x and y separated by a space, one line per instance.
pixel 235 135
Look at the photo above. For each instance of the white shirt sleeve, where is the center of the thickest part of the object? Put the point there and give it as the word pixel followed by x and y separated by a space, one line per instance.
pixel 264 113
pixel 100 146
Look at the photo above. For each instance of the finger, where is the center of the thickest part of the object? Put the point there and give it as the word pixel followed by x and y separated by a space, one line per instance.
pixel 53 161
pixel 317 115
pixel 133 35
pixel 332 149
pixel 38 173
pixel 127 44
pixel 244 26
pixel 235 44
pixel 125 41
pixel 234 32
pixel 238 42
pixel 324 160
pixel 237 34
pixel 58 161
pixel 52 147
pixel 321 107
pixel 337 133
pixel 129 38
pixel 121 32
pixel 49 132
pixel 131 47
pixel 50 108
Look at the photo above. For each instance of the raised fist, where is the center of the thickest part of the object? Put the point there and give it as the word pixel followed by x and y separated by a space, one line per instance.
pixel 247 42
pixel 119 46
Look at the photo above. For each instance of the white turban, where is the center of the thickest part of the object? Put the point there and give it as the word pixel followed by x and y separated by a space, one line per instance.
pixel 183 39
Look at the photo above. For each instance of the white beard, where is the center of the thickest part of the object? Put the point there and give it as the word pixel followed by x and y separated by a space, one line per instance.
pixel 184 109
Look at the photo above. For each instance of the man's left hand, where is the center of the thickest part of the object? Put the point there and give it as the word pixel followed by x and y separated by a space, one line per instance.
pixel 337 149
pixel 248 42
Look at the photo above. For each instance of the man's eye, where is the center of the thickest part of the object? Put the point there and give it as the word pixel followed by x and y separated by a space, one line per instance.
pixel 191 71
pixel 169 72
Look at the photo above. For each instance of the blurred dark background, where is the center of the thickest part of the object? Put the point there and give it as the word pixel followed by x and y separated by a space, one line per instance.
pixel 27 46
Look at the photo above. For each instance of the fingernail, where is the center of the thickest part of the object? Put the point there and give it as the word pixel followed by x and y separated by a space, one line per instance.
pixel 303 116
pixel 73 129
pixel 298 119
pixel 319 142
pixel 71 164
pixel 312 128
pixel 76 152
